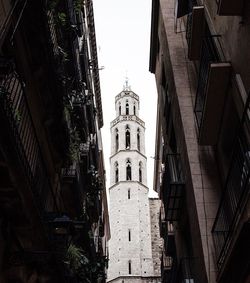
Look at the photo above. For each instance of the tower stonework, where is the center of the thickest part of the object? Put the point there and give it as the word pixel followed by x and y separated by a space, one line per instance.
pixel 130 246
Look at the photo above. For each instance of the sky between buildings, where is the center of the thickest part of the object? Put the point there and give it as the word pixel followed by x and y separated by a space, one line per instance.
pixel 123 41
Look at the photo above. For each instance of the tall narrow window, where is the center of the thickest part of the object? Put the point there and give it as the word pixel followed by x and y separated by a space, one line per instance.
pixel 116 139
pixel 127 108
pixel 116 172
pixel 129 235
pixel 129 267
pixel 134 110
pixel 120 109
pixel 140 172
pixel 128 193
pixel 128 170
pixel 127 137
pixel 138 139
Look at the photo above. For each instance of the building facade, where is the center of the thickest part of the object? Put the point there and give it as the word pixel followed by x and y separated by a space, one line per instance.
pixel 53 206
pixel 200 57
pixel 130 247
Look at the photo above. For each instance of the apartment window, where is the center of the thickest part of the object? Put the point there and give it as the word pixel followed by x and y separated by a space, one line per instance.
pixel 138 139
pixel 128 170
pixel 127 137
pixel 116 139
pixel 116 172
pixel 128 193
pixel 129 267
pixel 127 108
pixel 129 235
pixel 140 172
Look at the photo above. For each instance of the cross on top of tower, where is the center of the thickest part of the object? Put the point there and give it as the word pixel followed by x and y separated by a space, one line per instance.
pixel 126 86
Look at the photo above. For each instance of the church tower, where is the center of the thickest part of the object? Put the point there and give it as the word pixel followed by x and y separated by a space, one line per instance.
pixel 130 248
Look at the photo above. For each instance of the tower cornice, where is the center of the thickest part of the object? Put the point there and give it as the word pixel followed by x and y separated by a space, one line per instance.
pixel 128 151
pixel 123 118
pixel 125 93
pixel 128 182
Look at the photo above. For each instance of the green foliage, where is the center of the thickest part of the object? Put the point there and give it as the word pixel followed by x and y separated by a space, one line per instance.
pixel 62 18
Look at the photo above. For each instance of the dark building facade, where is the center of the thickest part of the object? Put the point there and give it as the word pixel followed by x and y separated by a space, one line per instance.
pixel 53 208
pixel 200 57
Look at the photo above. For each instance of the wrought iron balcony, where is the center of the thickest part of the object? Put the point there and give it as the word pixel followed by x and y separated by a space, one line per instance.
pixel 236 190
pixel 20 133
pixel 166 266
pixel 169 240
pixel 195 31
pixel 213 81
pixel 230 7
pixel 172 187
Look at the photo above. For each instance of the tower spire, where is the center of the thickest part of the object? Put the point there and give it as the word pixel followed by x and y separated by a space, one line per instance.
pixel 126 86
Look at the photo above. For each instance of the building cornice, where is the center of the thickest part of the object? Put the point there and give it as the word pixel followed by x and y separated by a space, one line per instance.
pixel 124 118
pixel 128 182
pixel 130 150
pixel 154 35
pixel 135 277
pixel 125 93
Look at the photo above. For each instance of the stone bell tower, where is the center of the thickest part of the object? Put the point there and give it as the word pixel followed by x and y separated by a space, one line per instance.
pixel 130 249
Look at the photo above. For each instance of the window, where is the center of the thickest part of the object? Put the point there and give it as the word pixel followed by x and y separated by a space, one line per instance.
pixel 128 170
pixel 134 110
pixel 116 139
pixel 127 137
pixel 129 235
pixel 128 193
pixel 138 139
pixel 129 267
pixel 140 172
pixel 120 109
pixel 127 108
pixel 116 172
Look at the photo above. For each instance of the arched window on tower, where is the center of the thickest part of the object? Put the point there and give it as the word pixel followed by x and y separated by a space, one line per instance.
pixel 140 172
pixel 138 139
pixel 134 109
pixel 120 108
pixel 116 140
pixel 127 108
pixel 116 172
pixel 129 267
pixel 127 137
pixel 128 170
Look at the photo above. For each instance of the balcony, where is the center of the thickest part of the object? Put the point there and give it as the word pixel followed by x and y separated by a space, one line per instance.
pixel 19 137
pixel 195 32
pixel 213 81
pixel 169 241
pixel 172 187
pixel 236 191
pixel 230 7
pixel 162 223
pixel 166 266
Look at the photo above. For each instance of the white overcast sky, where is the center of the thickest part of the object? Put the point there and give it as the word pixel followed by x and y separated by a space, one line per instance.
pixel 123 41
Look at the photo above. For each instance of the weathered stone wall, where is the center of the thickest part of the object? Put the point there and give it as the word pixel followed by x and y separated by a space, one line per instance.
pixel 157 242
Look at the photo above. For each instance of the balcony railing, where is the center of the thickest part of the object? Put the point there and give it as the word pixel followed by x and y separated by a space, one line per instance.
pixel 230 7
pixel 18 121
pixel 213 81
pixel 173 187
pixel 11 18
pixel 236 191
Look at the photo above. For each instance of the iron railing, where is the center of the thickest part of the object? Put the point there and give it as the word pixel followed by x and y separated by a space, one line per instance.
pixel 172 187
pixel 15 113
pixel 236 190
pixel 209 54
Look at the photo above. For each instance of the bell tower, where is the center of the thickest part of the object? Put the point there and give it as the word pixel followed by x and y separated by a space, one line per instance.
pixel 130 249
